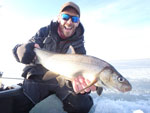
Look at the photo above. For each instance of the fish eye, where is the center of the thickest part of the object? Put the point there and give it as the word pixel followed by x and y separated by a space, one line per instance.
pixel 120 79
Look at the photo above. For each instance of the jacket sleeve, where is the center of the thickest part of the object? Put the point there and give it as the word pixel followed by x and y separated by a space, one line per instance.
pixel 38 38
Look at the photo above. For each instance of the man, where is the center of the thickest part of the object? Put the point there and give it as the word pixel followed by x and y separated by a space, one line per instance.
pixel 56 37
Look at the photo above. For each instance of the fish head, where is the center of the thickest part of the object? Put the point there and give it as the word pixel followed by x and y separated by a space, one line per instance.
pixel 111 78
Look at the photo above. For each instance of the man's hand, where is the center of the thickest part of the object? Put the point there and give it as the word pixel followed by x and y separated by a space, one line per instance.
pixel 36 45
pixel 80 82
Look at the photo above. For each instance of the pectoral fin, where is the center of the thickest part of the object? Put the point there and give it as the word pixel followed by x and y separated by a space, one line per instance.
pixel 99 90
pixel 92 83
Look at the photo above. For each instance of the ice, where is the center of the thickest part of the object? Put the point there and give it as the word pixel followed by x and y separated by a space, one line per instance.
pixel 107 105
pixel 138 111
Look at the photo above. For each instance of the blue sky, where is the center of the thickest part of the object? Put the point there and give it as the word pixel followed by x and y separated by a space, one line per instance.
pixel 114 29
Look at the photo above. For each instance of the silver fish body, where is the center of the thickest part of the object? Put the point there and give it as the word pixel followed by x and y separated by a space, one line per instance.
pixel 98 71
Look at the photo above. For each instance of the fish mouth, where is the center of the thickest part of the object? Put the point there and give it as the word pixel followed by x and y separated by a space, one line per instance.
pixel 125 88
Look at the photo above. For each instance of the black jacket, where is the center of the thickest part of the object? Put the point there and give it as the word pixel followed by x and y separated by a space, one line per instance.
pixel 48 38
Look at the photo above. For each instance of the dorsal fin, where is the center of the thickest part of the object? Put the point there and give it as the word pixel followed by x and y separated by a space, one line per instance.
pixel 71 50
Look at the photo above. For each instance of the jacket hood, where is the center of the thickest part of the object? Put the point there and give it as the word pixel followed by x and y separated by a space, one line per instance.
pixel 80 30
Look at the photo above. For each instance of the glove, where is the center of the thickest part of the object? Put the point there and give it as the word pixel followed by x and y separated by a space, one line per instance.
pixel 26 53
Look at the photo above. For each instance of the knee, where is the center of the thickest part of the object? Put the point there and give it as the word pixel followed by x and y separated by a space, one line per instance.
pixel 78 104
pixel 83 107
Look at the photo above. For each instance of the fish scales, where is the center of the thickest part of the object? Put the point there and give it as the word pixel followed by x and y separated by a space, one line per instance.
pixel 100 72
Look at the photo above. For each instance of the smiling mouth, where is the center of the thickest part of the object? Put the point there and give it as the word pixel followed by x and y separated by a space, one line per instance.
pixel 68 28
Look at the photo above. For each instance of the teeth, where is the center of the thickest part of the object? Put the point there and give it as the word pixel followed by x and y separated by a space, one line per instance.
pixel 68 28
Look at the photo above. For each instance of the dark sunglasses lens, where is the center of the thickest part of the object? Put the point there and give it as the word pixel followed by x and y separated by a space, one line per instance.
pixel 75 19
pixel 65 16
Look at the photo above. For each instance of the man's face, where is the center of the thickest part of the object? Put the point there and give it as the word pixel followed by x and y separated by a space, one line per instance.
pixel 68 27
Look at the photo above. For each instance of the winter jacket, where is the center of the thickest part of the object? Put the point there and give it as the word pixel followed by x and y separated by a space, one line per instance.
pixel 48 38
pixel 35 88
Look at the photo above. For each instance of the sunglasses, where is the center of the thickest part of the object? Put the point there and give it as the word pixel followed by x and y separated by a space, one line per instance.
pixel 74 19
